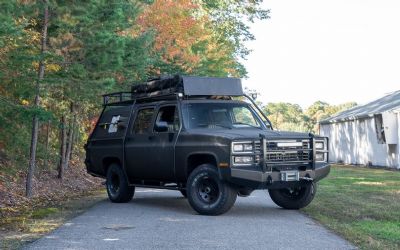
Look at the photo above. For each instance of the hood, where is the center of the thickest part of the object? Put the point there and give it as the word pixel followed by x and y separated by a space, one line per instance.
pixel 251 133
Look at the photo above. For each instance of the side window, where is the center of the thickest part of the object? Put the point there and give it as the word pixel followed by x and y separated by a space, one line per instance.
pixel 143 121
pixel 167 120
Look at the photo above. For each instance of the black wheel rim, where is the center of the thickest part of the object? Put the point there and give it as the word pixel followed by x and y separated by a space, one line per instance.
pixel 114 184
pixel 207 190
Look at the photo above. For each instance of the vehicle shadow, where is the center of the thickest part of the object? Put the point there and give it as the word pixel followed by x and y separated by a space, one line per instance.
pixel 243 207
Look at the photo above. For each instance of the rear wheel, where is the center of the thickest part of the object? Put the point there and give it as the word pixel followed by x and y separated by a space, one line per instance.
pixel 207 194
pixel 294 198
pixel 118 189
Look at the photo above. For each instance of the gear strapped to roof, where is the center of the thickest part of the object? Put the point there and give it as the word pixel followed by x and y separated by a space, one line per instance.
pixel 192 86
pixel 185 85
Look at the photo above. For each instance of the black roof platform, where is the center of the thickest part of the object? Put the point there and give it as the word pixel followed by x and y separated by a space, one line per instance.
pixel 187 86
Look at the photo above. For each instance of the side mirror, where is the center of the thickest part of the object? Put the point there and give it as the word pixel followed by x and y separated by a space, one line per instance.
pixel 161 126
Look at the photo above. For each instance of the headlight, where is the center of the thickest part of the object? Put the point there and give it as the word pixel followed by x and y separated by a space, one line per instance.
pixel 248 147
pixel 240 147
pixel 319 145
pixel 237 147
pixel 243 160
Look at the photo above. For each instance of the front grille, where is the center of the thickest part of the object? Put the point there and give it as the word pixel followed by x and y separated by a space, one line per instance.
pixel 287 152
pixel 287 156
pixel 273 145
pixel 257 151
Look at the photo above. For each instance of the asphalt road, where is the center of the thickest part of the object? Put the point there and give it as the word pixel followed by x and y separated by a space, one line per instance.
pixel 161 219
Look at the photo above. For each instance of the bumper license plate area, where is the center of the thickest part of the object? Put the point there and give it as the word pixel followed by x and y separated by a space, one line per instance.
pixel 289 175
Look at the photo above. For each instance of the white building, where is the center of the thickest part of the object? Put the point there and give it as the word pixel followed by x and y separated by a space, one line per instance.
pixel 367 134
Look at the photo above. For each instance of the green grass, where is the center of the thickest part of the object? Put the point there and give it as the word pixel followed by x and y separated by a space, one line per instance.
pixel 361 204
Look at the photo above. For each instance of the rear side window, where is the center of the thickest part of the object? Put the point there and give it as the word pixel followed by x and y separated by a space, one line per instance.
pixel 113 122
pixel 143 121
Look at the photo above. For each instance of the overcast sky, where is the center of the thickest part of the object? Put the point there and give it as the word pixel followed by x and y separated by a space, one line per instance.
pixel 331 50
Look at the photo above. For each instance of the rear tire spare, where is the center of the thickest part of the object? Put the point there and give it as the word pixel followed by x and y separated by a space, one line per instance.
pixel 294 198
pixel 118 189
pixel 207 194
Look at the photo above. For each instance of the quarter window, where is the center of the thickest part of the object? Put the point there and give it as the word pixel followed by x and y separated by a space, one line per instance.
pixel 143 121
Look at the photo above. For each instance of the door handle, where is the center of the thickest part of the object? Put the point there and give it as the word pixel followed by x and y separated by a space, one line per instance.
pixel 151 137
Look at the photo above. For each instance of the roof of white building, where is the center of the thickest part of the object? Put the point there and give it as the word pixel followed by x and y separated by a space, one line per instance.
pixel 387 103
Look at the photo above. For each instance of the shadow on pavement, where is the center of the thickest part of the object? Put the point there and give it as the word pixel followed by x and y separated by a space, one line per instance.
pixel 244 207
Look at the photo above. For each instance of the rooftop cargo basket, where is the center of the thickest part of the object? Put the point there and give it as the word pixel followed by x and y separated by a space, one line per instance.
pixel 186 85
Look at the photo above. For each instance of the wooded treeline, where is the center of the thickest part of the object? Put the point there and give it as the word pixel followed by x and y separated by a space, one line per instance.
pixel 58 57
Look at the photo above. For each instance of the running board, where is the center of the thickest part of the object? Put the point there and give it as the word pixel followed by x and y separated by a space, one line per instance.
pixel 158 187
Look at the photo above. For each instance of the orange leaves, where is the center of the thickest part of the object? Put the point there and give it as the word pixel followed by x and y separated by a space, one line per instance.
pixel 177 30
pixel 186 39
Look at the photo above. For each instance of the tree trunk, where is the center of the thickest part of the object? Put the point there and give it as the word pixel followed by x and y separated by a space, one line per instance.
pixel 70 137
pixel 63 147
pixel 47 143
pixel 35 120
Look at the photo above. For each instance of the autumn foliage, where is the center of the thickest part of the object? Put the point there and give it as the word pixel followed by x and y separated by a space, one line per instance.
pixel 57 58
pixel 176 31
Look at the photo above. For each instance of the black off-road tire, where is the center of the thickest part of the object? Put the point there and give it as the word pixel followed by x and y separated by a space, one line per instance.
pixel 207 194
pixel 294 198
pixel 117 186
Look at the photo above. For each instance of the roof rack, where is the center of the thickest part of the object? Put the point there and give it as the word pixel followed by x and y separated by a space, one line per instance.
pixel 170 86
pixel 116 97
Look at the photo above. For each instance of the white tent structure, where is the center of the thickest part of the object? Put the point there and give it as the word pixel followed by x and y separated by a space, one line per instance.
pixel 367 134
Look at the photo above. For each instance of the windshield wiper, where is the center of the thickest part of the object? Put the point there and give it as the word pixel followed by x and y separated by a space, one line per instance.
pixel 223 126
pixel 242 123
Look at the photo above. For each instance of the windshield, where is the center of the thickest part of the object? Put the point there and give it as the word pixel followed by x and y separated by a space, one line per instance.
pixel 219 115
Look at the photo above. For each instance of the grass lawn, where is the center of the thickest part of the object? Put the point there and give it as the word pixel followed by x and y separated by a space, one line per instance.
pixel 361 204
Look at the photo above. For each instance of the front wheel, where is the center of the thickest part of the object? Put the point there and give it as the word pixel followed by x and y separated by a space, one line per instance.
pixel 207 194
pixel 118 189
pixel 294 198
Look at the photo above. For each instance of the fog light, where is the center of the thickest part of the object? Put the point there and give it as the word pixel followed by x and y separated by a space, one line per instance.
pixel 243 159
pixel 319 157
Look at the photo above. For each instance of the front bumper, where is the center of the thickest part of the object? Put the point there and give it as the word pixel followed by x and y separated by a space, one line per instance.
pixel 272 180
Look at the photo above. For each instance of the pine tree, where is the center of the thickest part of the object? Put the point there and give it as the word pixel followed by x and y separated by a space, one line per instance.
pixel 35 120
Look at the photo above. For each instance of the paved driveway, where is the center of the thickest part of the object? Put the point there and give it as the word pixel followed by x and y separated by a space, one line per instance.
pixel 161 219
